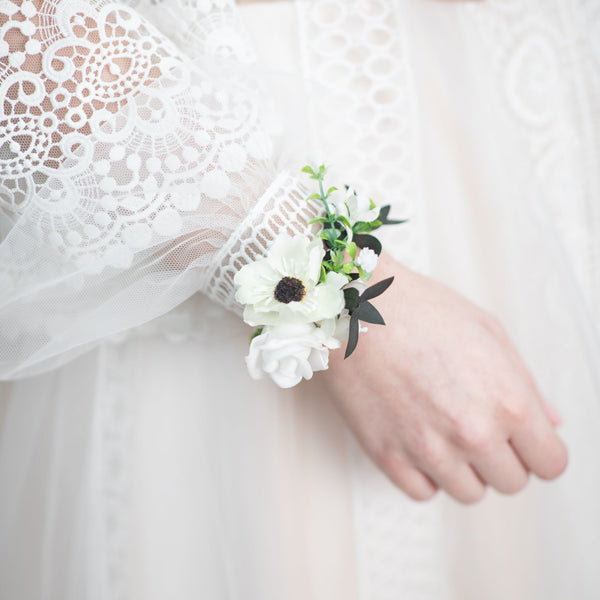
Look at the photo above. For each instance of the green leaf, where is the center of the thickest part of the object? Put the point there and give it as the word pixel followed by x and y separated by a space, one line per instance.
pixel 363 274
pixel 331 189
pixel 368 313
pixel 335 259
pixel 314 196
pixel 256 333
pixel 377 289
pixel 330 236
pixel 384 211
pixel 348 267
pixel 383 216
pixel 351 248
pixel 362 227
pixel 368 241
pixel 352 336
pixel 351 298
pixel 318 220
pixel 323 277
pixel 344 220
pixel 308 169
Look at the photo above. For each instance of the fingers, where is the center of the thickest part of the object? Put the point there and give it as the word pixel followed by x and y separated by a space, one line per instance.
pixel 539 448
pixel 534 439
pixel 446 468
pixel 410 480
pixel 460 481
pixel 502 469
pixel 501 335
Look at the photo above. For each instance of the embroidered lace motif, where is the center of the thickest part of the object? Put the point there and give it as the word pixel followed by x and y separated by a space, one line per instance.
pixel 125 168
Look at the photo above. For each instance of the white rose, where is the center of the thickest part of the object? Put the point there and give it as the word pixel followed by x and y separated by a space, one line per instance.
pixel 290 353
pixel 338 327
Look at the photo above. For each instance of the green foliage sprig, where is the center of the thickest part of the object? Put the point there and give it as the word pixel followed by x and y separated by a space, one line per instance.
pixel 342 240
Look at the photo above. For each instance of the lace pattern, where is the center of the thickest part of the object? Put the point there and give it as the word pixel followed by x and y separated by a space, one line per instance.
pixel 536 50
pixel 124 166
pixel 358 52
pixel 111 475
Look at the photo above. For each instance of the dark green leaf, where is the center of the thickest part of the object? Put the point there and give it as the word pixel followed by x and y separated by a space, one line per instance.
pixel 368 241
pixel 351 298
pixel 383 216
pixel 352 336
pixel 368 313
pixel 376 290
pixel 384 211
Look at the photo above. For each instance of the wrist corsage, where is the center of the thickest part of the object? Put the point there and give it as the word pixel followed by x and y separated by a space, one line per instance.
pixel 308 295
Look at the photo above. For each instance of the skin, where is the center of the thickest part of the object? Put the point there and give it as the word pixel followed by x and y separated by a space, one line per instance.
pixel 448 404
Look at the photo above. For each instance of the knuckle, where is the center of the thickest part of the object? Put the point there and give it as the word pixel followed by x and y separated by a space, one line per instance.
pixel 387 459
pixel 473 437
pixel 425 449
pixel 404 476
pixel 513 410
pixel 493 325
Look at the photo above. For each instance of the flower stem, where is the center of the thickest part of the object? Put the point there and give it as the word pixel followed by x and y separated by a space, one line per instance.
pixel 324 198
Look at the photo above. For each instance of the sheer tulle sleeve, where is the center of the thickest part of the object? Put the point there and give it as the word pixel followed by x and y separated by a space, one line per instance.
pixel 132 174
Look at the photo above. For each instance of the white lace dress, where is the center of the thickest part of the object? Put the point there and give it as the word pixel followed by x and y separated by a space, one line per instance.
pixel 137 459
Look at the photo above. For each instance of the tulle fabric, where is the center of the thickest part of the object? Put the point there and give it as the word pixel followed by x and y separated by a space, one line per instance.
pixel 153 467
pixel 134 173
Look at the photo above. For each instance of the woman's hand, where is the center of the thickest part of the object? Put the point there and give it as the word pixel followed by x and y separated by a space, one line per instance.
pixel 439 398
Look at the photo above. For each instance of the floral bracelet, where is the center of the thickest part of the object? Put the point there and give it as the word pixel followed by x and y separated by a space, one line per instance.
pixel 309 293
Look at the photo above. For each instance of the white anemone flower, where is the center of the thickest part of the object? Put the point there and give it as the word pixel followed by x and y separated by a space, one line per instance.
pixel 353 206
pixel 284 287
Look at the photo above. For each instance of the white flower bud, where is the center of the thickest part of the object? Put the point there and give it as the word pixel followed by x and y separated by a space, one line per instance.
pixel 367 260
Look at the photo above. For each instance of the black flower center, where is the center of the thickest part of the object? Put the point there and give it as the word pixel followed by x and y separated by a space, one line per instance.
pixel 289 289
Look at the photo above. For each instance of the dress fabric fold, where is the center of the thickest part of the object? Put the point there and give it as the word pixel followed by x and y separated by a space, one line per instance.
pixel 137 458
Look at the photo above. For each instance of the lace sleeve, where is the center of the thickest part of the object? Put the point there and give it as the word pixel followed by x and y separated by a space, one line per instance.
pixel 131 176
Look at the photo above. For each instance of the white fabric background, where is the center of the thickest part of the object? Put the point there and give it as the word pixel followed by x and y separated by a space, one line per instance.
pixel 153 467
